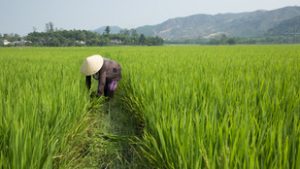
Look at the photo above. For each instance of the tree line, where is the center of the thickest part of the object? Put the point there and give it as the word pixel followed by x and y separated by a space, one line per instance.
pixel 55 37
pixel 266 39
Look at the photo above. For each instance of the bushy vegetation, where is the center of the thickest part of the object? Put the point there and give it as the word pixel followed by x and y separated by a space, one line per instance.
pixel 88 38
pixel 290 38
pixel 55 37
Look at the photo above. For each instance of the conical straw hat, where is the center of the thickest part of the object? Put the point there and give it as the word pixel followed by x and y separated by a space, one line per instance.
pixel 92 65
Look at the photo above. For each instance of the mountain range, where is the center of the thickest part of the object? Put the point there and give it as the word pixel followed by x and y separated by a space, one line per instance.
pixel 246 24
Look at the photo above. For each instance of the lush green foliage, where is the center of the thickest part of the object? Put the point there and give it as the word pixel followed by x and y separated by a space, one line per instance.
pixel 43 108
pixel 216 107
pixel 46 117
pixel 88 38
pixel 202 107
pixel 9 37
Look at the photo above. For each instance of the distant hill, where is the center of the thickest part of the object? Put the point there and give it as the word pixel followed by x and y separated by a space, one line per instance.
pixel 113 29
pixel 286 27
pixel 246 24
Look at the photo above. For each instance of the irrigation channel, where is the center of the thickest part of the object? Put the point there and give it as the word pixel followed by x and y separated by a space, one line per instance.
pixel 113 135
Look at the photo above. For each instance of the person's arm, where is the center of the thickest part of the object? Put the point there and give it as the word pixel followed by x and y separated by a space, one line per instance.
pixel 101 83
pixel 88 82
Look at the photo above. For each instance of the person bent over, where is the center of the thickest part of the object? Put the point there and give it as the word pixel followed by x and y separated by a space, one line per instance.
pixel 107 72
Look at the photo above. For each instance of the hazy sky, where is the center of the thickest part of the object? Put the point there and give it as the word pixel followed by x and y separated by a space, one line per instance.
pixel 20 16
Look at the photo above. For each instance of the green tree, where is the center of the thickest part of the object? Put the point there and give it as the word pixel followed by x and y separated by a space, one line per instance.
pixel 1 40
pixel 142 39
pixel 81 36
pixel 107 30
pixel 34 29
pixel 231 41
pixel 125 32
pixel 49 27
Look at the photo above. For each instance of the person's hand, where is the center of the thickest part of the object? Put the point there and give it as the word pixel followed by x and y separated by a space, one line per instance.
pixel 94 94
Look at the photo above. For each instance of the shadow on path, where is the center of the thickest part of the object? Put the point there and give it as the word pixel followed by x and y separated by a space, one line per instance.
pixel 112 136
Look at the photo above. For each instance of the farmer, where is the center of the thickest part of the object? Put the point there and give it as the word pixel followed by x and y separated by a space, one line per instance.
pixel 106 72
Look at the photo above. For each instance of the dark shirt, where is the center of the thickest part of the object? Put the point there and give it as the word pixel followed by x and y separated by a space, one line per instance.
pixel 109 74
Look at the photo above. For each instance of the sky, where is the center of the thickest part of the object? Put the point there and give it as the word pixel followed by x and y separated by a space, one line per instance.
pixel 22 16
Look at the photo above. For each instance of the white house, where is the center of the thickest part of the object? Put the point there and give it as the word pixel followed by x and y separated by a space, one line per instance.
pixel 6 42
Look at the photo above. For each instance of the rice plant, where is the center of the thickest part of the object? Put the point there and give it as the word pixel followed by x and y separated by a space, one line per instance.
pixel 217 107
pixel 192 107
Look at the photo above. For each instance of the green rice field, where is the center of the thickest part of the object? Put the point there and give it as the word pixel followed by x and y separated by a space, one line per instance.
pixel 176 107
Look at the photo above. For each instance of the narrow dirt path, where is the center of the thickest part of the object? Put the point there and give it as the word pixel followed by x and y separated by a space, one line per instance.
pixel 122 130
pixel 110 138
